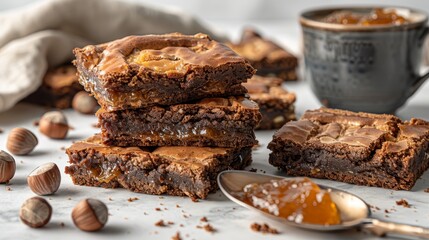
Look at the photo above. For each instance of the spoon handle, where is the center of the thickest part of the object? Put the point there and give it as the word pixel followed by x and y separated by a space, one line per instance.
pixel 381 228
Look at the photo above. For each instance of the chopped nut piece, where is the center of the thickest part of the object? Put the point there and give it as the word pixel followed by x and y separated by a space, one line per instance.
pixel 132 199
pixel 160 223
pixel 403 203
pixel 263 228
pixel 176 236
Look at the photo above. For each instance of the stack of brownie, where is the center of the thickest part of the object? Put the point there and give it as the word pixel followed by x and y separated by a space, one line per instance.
pixel 174 114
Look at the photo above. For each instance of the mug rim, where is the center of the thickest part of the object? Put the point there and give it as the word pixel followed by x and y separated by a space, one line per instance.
pixel 306 20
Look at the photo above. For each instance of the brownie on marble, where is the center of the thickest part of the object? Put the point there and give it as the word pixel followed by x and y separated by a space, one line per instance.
pixel 58 88
pixel 142 71
pixel 266 56
pixel 210 122
pixel 275 103
pixel 359 148
pixel 179 171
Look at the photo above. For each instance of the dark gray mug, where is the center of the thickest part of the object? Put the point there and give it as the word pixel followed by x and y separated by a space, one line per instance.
pixel 363 68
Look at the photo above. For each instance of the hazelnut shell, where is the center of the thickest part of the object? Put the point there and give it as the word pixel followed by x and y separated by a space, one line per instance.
pixel 90 215
pixel 21 141
pixel 35 212
pixel 7 167
pixel 45 179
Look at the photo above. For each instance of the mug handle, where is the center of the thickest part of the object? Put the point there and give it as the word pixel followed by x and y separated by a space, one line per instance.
pixel 420 80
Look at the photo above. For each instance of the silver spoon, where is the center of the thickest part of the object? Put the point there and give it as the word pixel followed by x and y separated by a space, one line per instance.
pixel 354 211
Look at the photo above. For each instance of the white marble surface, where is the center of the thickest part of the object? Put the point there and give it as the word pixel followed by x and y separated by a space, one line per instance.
pixel 135 220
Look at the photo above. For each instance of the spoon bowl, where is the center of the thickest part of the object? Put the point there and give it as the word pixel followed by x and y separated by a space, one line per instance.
pixel 354 211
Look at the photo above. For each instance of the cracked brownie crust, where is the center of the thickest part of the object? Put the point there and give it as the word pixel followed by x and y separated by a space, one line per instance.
pixel 214 122
pixel 141 71
pixel 359 148
pixel 180 171
pixel 275 103
pixel 266 56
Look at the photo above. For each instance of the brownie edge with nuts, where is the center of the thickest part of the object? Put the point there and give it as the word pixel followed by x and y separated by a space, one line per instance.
pixel 179 171
pixel 359 148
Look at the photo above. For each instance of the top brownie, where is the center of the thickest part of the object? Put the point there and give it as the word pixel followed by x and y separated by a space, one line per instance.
pixel 160 69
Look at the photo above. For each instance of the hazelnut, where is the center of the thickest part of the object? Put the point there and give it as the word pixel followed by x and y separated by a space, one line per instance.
pixel 21 141
pixel 54 125
pixel 35 212
pixel 45 179
pixel 90 215
pixel 84 103
pixel 7 167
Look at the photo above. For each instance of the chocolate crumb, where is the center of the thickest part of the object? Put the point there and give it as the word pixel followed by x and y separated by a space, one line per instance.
pixel 181 225
pixel 194 199
pixel 1 130
pixel 170 223
pixel 62 224
pixel 36 123
pixel 63 148
pixel 263 228
pixel 386 211
pixel 110 199
pixel 403 203
pixel 176 236
pixel 132 199
pixel 8 189
pixel 158 209
pixel 427 190
pixel 209 228
pixel 177 206
pixel 69 198
pixel 165 209
pixel 203 219
pixel 161 197
pixel 160 223
pixel 253 170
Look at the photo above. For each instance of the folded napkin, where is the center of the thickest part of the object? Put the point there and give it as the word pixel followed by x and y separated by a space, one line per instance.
pixel 41 36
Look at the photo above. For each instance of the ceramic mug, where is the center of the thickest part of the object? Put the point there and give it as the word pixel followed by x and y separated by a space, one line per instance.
pixel 363 68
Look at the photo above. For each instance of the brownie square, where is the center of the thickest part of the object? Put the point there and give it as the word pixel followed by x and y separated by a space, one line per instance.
pixel 212 122
pixel 179 171
pixel 142 71
pixel 275 103
pixel 58 88
pixel 266 56
pixel 359 148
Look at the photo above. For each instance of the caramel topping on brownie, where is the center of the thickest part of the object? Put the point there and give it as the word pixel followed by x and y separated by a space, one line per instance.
pixel 173 53
pixel 256 48
pixel 263 89
pixel 60 77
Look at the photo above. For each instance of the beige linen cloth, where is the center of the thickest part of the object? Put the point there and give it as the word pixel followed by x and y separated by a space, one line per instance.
pixel 41 36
